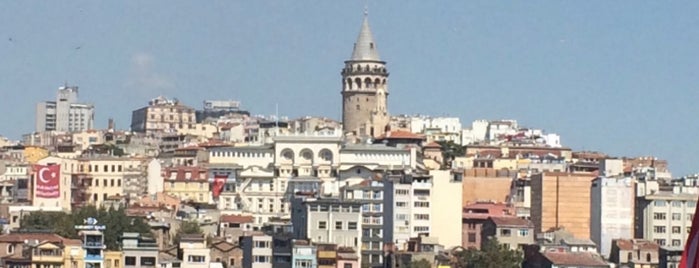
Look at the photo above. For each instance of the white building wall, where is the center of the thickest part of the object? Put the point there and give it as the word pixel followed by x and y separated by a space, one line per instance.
pixel 155 177
pixel 612 207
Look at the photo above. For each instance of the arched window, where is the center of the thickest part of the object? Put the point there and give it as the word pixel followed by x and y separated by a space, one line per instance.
pixel 358 82
pixel 349 83
pixel 367 82
pixel 11 249
pixel 377 82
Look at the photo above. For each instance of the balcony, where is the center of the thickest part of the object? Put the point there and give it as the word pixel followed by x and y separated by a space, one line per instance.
pixel 47 255
pixel 94 245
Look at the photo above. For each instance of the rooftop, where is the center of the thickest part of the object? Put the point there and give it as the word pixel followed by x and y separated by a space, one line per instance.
pixel 575 259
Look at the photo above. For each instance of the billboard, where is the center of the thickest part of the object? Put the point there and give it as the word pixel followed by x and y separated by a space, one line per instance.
pixel 47 181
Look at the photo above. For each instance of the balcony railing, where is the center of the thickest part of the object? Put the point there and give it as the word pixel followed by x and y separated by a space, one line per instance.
pixel 90 244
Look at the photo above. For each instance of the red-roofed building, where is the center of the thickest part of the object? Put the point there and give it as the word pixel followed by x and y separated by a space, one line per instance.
pixel 231 227
pixel 188 183
pixel 400 137
pixel 474 215
pixel 635 253
pixel 564 259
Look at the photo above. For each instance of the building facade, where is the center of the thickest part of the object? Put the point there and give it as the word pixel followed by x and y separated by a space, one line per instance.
pixel 611 211
pixel 65 114
pixel 162 115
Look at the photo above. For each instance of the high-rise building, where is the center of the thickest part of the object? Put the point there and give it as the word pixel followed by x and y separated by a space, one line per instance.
pixel 65 113
pixel 365 88
pixel 611 211
pixel 561 200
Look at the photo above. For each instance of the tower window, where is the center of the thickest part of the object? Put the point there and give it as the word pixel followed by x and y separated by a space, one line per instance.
pixel 371 45
pixel 358 107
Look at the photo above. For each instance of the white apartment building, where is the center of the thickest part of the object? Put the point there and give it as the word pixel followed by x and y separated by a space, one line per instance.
pixel 407 207
pixel 258 251
pixel 195 252
pixel 611 211
pixel 665 218
pixel 65 113
pixel 328 221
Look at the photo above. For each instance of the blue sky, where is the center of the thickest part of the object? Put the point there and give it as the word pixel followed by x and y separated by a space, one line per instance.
pixel 612 76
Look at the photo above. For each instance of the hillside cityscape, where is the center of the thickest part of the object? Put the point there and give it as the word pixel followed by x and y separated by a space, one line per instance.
pixel 210 184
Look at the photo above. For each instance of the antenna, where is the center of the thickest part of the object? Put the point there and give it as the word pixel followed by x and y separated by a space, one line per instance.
pixel 276 118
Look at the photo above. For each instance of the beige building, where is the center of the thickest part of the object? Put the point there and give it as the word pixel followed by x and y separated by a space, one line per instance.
pixel 511 232
pixel 67 169
pixel 365 88
pixel 636 253
pixel 162 115
pixel 109 175
pixel 561 199
pixel 446 208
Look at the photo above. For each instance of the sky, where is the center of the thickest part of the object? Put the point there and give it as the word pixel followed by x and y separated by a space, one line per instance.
pixel 613 76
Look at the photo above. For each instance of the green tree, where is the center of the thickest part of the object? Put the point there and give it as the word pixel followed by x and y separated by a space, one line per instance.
pixel 422 263
pixel 450 150
pixel 491 255
pixel 187 227
pixel 116 222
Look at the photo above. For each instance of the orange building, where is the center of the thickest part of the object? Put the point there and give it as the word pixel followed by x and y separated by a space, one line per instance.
pixel 560 199
pixel 485 184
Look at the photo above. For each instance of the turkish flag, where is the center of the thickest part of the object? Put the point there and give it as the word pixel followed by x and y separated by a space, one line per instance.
pixel 47 180
pixel 219 182
pixel 690 255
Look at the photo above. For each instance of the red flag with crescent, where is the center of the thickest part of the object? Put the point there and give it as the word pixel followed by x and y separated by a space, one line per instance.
pixel 690 255
pixel 219 182
pixel 47 181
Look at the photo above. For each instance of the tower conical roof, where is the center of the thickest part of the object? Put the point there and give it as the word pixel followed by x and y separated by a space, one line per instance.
pixel 365 47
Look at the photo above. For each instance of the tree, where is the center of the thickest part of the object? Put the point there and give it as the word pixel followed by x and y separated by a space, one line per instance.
pixel 187 227
pixel 491 255
pixel 116 223
pixel 422 263
pixel 450 150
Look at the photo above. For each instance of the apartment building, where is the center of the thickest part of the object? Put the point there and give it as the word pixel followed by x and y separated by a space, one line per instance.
pixel 327 221
pixel 511 232
pixel 138 251
pixel 665 218
pixel 108 177
pixel 611 211
pixel 63 197
pixel 407 204
pixel 65 114
pixel 162 115
pixel 474 215
pixel 371 194
pixel 304 255
pixel 257 251
pixel 187 183
pixel 195 252
pixel 561 200
pixel 446 208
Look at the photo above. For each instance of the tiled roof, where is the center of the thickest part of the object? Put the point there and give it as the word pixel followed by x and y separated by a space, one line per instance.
pixel 236 219
pixel 433 145
pixel 634 244
pixel 224 246
pixel 511 222
pixel 21 237
pixel 575 259
pixel 400 134
pixel 181 172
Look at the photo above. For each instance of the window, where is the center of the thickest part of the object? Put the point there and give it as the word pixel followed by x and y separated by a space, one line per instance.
pixel 691 204
pixel 676 204
pixel 629 257
pixel 401 204
pixel 338 225
pixel 130 261
pixel 419 204
pixel 676 243
pixel 690 216
pixel 147 261
pixel 676 229
pixel 471 237
pixel 505 232
pixel 261 244
pixel 322 225
pixel 523 232
pixel 401 217
pixel 352 225
pixel 196 258
pixel 659 203
pixel 676 216
pixel 402 192
pixel 422 216
pixel 11 249
pixel 231 262
pixel 659 229
pixel 658 216
pixel 660 242
pixel 421 228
